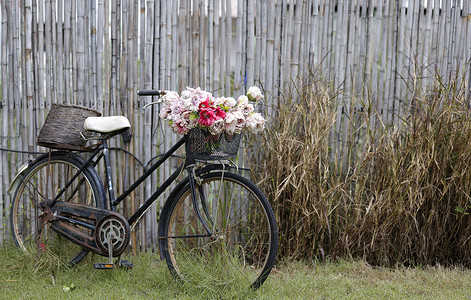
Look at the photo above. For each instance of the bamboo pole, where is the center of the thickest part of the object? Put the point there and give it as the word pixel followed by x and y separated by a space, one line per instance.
pixel 297 8
pixel 29 76
pixel 314 34
pixel 376 63
pixel 59 52
pixel 283 45
pixel 182 46
pixel 388 46
pixel 228 48
pixel 41 59
pixel 238 76
pixel 93 54
pixel 16 69
pixel 467 14
pixel 195 37
pixel 216 58
pixel 100 27
pixel 14 129
pixel 79 38
pixel 427 41
pixel 4 177
pixel 270 49
pixel 67 49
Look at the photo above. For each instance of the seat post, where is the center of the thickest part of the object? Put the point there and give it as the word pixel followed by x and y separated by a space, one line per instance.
pixel 109 175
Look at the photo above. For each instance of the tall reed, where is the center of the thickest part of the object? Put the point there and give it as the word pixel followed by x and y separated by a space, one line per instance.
pixel 393 193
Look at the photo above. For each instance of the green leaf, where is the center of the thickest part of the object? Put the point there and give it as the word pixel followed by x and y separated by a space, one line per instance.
pixel 461 210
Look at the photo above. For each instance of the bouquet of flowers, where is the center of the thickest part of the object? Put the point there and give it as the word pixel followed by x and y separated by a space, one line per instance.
pixel 198 108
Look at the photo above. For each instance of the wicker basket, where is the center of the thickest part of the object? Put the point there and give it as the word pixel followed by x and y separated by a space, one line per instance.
pixel 201 144
pixel 63 125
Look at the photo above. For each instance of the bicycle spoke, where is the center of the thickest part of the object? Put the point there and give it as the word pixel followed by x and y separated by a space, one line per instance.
pixel 242 241
pixel 39 183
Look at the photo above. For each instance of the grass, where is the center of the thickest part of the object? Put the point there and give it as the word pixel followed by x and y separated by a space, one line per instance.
pixel 150 279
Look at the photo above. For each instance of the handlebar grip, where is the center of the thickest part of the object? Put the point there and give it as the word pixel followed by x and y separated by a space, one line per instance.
pixel 151 93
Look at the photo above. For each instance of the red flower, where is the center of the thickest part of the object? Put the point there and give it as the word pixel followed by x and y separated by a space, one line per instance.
pixel 207 117
pixel 220 112
pixel 204 104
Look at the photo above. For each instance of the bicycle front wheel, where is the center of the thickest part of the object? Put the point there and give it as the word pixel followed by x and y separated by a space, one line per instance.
pixel 244 240
pixel 39 184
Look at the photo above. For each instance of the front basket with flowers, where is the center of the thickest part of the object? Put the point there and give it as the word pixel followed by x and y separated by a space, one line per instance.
pixel 212 125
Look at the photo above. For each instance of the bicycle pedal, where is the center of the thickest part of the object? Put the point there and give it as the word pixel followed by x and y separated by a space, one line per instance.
pixel 126 264
pixel 103 266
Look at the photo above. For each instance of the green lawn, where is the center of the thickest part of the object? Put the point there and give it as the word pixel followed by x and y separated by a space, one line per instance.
pixel 150 279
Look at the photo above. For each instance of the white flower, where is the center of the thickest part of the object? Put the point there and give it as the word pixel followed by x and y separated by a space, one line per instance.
pixel 235 122
pixel 217 126
pixel 231 102
pixel 246 108
pixel 219 101
pixel 242 99
pixel 170 97
pixel 254 94
pixel 186 94
pixel 255 122
pixel 190 121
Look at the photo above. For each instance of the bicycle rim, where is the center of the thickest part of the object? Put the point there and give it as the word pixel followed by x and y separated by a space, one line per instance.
pixel 40 184
pixel 243 247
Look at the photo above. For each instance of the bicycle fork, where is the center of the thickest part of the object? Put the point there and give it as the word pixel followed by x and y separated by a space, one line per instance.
pixel 195 189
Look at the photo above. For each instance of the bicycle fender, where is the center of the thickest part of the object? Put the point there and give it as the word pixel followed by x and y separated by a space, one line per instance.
pixel 16 181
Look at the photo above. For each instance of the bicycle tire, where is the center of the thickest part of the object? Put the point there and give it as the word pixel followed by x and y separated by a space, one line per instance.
pixel 242 249
pixel 39 182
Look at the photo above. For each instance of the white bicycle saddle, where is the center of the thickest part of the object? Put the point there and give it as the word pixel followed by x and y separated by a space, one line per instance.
pixel 106 124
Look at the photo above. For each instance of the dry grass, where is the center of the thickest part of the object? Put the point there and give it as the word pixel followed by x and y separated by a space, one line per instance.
pixel 393 194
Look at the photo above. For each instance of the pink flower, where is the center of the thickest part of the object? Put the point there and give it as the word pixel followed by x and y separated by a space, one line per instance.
pixel 164 112
pixel 179 127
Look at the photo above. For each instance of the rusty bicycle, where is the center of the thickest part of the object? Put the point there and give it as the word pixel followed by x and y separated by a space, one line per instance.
pixel 214 218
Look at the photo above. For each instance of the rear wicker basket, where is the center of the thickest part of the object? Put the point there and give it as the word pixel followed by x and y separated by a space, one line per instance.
pixel 63 125
pixel 201 144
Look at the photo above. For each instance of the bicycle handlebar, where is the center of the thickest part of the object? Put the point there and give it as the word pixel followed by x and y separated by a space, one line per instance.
pixel 151 93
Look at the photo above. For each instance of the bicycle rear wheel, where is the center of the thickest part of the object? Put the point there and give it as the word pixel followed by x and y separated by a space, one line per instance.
pixel 39 184
pixel 244 243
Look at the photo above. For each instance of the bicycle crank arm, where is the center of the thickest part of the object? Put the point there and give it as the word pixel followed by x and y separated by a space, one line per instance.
pixel 91 227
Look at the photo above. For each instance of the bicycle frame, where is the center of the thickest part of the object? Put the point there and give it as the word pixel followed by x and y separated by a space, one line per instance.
pixel 102 151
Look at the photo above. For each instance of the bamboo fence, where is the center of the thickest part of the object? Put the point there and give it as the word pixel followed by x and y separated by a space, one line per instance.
pixel 98 53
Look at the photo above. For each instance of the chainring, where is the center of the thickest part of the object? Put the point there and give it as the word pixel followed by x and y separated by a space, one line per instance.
pixel 112 231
